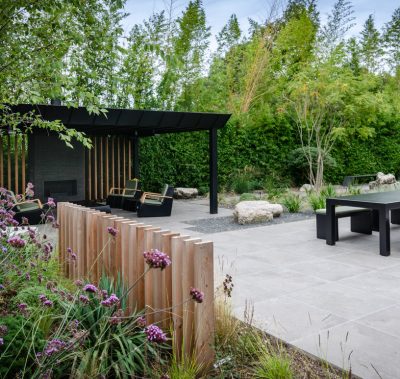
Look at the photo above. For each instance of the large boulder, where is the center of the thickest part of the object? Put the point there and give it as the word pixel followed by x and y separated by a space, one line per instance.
pixel 252 212
pixel 382 180
pixel 185 193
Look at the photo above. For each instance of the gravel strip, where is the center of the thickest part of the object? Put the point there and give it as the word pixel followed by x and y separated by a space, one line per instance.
pixel 225 224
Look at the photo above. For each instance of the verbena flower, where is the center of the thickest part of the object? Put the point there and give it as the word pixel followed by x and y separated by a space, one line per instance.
pixel 50 218
pixel 116 318
pixel 84 299
pixel 42 298
pixel 155 334
pixel 197 295
pixel 156 259
pixel 112 231
pixel 54 346
pixel 22 306
pixel 51 203
pixel 16 241
pixel 29 190
pixel 78 283
pixel 90 288
pixel 141 321
pixel 110 301
pixel 48 303
pixel 1 341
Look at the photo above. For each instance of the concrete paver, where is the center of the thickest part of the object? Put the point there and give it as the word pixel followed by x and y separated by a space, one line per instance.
pixel 341 302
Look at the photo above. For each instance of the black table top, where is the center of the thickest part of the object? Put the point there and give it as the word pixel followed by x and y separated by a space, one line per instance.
pixel 376 197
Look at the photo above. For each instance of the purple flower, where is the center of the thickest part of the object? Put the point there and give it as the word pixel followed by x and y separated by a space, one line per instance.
pixel 25 221
pixel 16 242
pixel 141 321
pixel 196 295
pixel 54 346
pixel 78 283
pixel 116 318
pixel 22 306
pixel 112 231
pixel 42 298
pixel 1 341
pixel 50 218
pixel 3 330
pixel 69 250
pixel 111 301
pixel 84 299
pixel 48 303
pixel 2 287
pixel 27 276
pixel 51 203
pixel 155 334
pixel 90 288
pixel 157 259
pixel 29 190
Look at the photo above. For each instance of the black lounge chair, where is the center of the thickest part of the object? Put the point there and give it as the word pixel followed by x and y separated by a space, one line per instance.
pixel 156 204
pixel 31 209
pixel 131 191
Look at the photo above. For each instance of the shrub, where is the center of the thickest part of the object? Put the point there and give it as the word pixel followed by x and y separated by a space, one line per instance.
pixel 274 366
pixel 318 200
pixel 292 202
pixel 21 341
pixel 247 196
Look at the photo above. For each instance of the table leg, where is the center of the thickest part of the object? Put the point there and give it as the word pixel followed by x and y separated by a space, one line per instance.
pixel 384 232
pixel 331 224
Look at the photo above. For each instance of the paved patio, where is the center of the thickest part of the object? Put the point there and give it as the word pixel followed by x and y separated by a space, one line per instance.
pixel 341 302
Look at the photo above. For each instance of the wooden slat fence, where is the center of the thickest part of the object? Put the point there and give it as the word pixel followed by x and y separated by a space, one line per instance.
pixel 108 164
pixel 163 294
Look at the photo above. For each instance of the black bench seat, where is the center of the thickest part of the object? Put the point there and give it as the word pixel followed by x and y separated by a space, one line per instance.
pixel 360 220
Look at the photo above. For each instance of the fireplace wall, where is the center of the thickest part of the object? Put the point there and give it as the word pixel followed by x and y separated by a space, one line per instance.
pixel 56 169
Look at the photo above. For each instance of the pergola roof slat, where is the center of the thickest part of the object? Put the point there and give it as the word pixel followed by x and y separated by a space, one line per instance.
pixel 127 121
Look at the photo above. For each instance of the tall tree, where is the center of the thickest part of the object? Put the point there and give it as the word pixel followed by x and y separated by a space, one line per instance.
pixel 370 45
pixel 392 40
pixel 229 36
pixel 189 46
pixel 340 21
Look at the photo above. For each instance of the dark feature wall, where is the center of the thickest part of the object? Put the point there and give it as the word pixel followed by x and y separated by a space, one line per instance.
pixel 60 168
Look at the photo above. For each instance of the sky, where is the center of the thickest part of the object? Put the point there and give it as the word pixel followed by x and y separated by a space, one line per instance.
pixel 219 11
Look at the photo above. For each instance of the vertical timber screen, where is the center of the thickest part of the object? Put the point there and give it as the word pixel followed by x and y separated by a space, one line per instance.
pixel 108 164
pixel 163 294
pixel 13 156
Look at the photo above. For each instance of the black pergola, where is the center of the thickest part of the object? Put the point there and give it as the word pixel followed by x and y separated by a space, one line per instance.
pixel 135 124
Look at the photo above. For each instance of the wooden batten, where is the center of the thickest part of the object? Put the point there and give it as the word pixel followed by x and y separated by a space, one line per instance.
pixel 16 173
pixel 23 163
pixel 8 161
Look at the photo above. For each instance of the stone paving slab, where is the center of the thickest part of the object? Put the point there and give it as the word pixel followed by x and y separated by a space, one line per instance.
pixel 328 300
pixel 340 302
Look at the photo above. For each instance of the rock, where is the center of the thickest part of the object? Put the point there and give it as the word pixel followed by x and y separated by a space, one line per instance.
pixel 306 188
pixel 185 193
pixel 383 180
pixel 276 209
pixel 251 212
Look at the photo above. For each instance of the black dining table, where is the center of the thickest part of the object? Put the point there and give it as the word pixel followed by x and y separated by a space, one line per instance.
pixel 381 202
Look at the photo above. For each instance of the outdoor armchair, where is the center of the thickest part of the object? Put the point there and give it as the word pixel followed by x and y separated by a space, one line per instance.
pixel 31 209
pixel 118 196
pixel 156 204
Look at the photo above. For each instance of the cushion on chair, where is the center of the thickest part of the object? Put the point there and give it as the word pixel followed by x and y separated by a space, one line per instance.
pixel 343 210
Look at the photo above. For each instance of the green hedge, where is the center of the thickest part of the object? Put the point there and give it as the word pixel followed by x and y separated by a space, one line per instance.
pixel 182 159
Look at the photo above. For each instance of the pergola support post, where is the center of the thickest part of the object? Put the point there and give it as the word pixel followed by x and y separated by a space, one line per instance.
pixel 213 171
pixel 135 156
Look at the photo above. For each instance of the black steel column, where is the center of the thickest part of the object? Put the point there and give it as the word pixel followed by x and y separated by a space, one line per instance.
pixel 135 156
pixel 213 171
